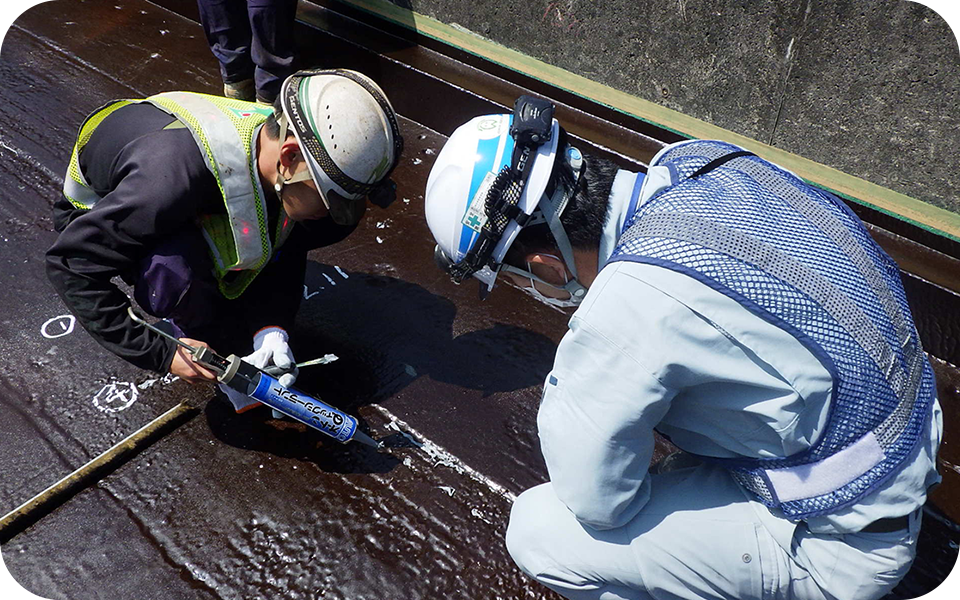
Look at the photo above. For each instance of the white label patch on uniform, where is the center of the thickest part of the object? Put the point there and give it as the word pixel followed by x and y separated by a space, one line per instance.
pixel 476 216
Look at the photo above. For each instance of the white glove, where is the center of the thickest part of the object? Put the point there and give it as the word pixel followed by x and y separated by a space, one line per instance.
pixel 270 348
pixel 240 401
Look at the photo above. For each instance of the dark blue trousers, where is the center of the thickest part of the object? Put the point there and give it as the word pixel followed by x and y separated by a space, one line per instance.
pixel 252 39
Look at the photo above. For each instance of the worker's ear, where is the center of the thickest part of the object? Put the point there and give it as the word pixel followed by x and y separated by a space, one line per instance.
pixel 290 153
pixel 548 267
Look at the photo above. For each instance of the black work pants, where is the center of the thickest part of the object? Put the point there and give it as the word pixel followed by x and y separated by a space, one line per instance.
pixel 251 39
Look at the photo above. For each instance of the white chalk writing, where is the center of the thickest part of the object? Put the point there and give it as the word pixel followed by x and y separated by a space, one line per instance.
pixel 58 326
pixel 116 396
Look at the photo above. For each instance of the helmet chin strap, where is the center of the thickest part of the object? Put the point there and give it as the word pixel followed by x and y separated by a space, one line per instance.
pixel 549 210
pixel 281 179
pixel 572 286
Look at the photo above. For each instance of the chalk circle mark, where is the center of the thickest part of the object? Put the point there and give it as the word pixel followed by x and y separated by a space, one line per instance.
pixel 116 397
pixel 58 326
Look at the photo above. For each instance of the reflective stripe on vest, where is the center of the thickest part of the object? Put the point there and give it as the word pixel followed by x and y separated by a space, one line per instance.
pixel 797 257
pixel 225 139
pixel 75 187
pixel 224 130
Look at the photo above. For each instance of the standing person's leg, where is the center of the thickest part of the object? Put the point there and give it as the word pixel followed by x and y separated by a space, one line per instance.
pixel 273 46
pixel 228 33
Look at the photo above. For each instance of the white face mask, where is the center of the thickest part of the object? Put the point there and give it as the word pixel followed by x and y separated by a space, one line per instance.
pixel 572 301
pixel 551 301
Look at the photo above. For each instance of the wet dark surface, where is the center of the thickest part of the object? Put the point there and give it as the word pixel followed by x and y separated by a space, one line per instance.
pixel 246 506
pixel 233 506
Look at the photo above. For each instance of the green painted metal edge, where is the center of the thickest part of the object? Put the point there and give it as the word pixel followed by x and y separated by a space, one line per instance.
pixel 917 212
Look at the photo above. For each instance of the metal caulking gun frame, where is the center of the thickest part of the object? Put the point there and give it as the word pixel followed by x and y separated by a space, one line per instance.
pixel 261 385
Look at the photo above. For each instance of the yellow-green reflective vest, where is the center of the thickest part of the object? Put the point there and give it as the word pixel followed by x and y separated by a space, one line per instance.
pixel 224 130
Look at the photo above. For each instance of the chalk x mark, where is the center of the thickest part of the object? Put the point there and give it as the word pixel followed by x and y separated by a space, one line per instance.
pixel 116 397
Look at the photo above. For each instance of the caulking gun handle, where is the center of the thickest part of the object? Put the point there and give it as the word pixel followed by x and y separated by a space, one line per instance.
pixel 201 355
pixel 210 359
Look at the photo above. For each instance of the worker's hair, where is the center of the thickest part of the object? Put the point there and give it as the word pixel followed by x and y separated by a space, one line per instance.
pixel 586 211
pixel 271 124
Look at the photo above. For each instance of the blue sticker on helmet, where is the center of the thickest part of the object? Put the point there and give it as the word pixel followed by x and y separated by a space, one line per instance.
pixel 486 163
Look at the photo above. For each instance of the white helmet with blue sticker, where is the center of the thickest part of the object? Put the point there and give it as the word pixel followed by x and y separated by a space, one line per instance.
pixel 488 182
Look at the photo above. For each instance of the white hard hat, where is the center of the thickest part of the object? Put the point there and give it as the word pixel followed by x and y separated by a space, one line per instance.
pixel 466 168
pixel 348 132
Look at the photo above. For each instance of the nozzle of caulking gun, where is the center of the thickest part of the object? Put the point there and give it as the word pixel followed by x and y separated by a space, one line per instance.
pixel 323 360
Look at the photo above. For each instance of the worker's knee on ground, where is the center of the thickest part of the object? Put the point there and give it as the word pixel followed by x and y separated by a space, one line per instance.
pixel 528 533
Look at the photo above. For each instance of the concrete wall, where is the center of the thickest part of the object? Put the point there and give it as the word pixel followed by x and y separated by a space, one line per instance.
pixel 870 87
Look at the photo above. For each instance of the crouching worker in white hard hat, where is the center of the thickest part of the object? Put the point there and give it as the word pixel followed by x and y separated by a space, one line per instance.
pixel 207 206
pixel 741 312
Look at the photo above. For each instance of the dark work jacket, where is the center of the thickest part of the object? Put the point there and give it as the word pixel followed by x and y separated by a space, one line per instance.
pixel 154 185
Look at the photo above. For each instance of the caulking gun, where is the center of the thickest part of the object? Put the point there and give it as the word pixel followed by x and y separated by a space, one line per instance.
pixel 263 386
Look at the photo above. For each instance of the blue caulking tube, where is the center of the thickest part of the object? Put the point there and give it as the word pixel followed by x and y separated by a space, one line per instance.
pixel 315 413
pixel 245 378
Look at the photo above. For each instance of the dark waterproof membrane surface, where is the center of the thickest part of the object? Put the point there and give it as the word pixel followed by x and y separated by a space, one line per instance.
pixel 246 506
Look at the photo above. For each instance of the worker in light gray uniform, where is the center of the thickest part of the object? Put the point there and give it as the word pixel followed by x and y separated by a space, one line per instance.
pixel 207 206
pixel 742 313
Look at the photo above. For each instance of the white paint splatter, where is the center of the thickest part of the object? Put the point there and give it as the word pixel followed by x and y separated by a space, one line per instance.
pixel 476 513
pixel 379 240
pixel 429 151
pixel 406 200
pixel 147 384
pixel 11 149
pixel 449 490
pixel 115 397
pixel 417 161
pixel 155 55
pixel 440 456
pixel 58 326
pixel 339 270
